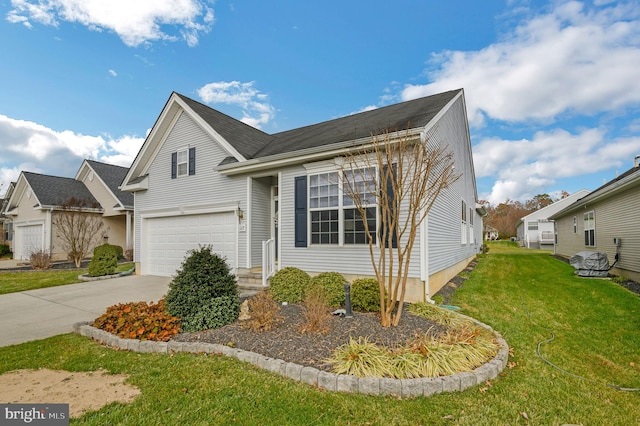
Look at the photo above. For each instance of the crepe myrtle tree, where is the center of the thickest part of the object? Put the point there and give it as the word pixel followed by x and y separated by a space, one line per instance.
pixel 79 228
pixel 402 176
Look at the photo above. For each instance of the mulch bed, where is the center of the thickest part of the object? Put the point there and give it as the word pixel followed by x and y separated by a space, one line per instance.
pixel 288 343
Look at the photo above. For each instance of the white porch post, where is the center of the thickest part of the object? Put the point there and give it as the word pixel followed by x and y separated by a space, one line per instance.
pixel 128 230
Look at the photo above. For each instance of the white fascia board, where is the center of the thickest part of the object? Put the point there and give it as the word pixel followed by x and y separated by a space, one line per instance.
pixel 211 131
pixel 150 147
pixel 81 170
pixel 143 185
pixel 191 209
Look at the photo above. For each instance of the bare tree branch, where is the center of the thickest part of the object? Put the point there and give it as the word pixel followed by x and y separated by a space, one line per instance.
pixel 403 177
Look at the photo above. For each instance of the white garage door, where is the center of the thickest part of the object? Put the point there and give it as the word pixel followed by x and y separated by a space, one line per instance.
pixel 29 239
pixel 168 239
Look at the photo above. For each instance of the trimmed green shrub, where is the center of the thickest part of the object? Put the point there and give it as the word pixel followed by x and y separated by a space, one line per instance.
pixel 289 284
pixel 365 295
pixel 4 250
pixel 203 277
pixel 213 313
pixel 333 285
pixel 119 251
pixel 104 261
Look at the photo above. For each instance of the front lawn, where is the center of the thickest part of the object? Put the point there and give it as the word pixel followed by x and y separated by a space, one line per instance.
pixel 12 281
pixel 525 295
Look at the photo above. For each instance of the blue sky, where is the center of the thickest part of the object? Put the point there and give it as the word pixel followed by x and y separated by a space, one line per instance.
pixel 552 87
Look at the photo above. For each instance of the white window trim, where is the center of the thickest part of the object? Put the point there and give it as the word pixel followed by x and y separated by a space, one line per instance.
pixel 463 223
pixel 585 216
pixel 186 163
pixel 332 166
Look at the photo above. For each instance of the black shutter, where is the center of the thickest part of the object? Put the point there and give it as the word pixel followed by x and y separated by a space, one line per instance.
pixel 301 211
pixel 174 165
pixel 192 161
pixel 384 231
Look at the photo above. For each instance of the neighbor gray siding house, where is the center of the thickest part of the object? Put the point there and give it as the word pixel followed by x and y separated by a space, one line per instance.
pixel 204 178
pixel 536 230
pixel 605 220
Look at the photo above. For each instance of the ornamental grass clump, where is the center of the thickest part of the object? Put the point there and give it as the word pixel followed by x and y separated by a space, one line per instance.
pixel 315 311
pixel 264 311
pixel 463 347
pixel 438 315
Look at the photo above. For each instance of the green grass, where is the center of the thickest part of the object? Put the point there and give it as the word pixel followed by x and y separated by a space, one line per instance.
pixel 524 294
pixel 12 281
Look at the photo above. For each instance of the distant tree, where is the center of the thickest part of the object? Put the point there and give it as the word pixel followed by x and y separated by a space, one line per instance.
pixel 79 228
pixel 563 194
pixel 505 216
pixel 538 202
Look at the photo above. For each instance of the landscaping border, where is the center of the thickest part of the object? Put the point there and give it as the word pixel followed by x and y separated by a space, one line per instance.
pixel 312 376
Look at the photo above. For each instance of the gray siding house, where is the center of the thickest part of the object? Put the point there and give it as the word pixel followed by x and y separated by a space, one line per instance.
pixel 536 230
pixel 204 178
pixel 606 220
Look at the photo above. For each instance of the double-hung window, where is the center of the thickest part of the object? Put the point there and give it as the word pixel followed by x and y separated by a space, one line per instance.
pixel 360 183
pixel 589 229
pixel 324 208
pixel 183 162
pixel 333 215
pixel 463 224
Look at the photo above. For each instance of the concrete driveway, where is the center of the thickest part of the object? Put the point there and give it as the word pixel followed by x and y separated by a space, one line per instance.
pixel 37 314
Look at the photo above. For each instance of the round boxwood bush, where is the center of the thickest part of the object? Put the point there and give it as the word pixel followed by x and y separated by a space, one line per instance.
pixel 333 285
pixel 289 284
pixel 365 295
pixel 203 276
pixel 104 261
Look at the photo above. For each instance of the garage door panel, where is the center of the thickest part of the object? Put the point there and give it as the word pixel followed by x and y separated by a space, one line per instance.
pixel 169 239
pixel 30 239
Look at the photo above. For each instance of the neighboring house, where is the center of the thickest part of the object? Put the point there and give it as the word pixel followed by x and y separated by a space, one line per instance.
pixel 536 230
pixel 490 233
pixel 6 225
pixel 606 220
pixel 37 198
pixel 204 178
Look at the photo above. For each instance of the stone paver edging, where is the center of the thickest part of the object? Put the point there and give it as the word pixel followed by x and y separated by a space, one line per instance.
pixel 313 376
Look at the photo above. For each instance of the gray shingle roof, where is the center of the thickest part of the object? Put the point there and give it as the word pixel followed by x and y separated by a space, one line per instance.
pixel 397 117
pixel 56 191
pixel 245 139
pixel 253 143
pixel 113 176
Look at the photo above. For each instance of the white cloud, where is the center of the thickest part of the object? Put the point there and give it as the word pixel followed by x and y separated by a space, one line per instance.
pixel 29 146
pixel 113 73
pixel 256 109
pixel 524 168
pixel 574 59
pixel 135 22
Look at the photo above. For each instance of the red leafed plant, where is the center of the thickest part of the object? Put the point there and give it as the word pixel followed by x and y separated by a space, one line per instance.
pixel 139 320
